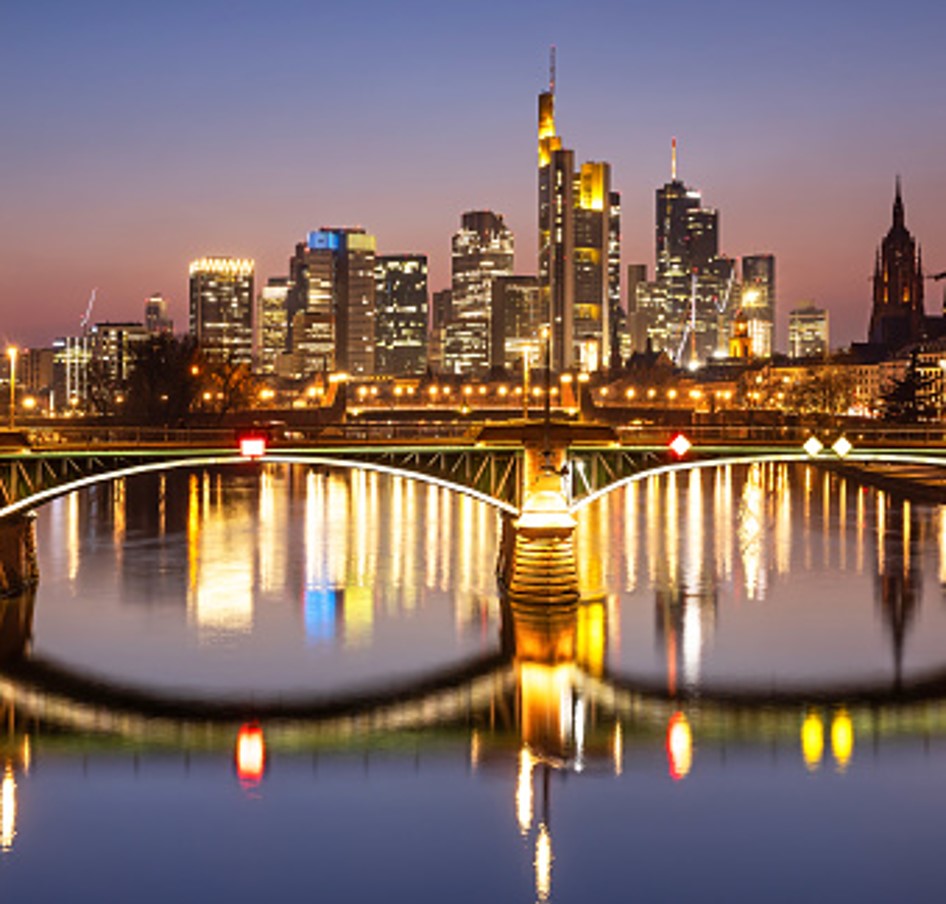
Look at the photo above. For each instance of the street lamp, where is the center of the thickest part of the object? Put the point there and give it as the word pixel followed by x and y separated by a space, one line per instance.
pixel 11 354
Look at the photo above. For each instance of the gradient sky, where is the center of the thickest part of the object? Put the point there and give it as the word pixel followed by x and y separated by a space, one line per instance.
pixel 137 136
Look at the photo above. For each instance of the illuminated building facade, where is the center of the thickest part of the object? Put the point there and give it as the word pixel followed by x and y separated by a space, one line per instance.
pixel 440 316
pixel 401 320
pixel 71 357
pixel 221 308
pixel 271 324
pixel 157 320
pixel 634 338
pixel 686 311
pixel 579 261
pixel 331 303
pixel 758 302
pixel 808 335
pixel 518 315
pixel 897 317
pixel 112 347
pixel 482 249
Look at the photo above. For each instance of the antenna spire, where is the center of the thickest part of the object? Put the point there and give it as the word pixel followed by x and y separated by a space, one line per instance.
pixel 552 69
pixel 673 159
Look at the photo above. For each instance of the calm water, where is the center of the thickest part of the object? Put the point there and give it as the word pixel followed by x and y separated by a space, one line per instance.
pixel 747 705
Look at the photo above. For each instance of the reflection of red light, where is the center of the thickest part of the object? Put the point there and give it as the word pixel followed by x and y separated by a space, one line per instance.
pixel 250 754
pixel 679 746
pixel 252 446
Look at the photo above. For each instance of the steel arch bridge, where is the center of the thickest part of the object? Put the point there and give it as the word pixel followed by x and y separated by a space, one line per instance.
pixel 494 474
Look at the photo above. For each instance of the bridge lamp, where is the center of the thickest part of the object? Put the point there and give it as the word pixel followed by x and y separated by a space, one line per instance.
pixel 252 446
pixel 680 445
pixel 842 446
pixel 813 446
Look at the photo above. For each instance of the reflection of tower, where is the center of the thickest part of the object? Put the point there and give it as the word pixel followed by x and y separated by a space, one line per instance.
pixel 898 583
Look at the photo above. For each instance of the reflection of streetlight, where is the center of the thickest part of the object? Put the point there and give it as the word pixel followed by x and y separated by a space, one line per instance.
pixel 11 354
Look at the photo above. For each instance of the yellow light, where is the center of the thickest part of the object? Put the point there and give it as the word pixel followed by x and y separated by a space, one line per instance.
pixel 311 392
pixel 398 391
pixel 482 390
pixel 842 739
pixel 603 391
pixel 679 746
pixel 543 864
pixel 651 393
pixel 29 403
pixel 362 391
pixel 223 266
pixel 842 446
pixel 468 390
pixel 696 394
pixel 566 378
pixel 630 393
pixel 583 377
pixel 524 791
pixel 671 393
pixel 7 809
pixel 812 741
pixel 195 370
pixel 504 391
pixel 433 390
pixel 267 394
pixel 813 446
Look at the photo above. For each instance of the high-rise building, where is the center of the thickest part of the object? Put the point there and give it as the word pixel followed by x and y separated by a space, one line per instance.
pixel 758 302
pixel 688 308
pixel 401 320
pixel 441 313
pixel 808 335
pixel 518 315
pixel 897 317
pixel 579 261
pixel 157 319
pixel 221 308
pixel 635 336
pixel 332 301
pixel 272 324
pixel 482 249
pixel 112 348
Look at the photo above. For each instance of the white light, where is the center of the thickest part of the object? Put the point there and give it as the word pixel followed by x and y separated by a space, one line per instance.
pixel 680 445
pixel 813 446
pixel 842 446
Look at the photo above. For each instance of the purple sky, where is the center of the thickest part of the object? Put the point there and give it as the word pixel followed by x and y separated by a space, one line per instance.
pixel 136 137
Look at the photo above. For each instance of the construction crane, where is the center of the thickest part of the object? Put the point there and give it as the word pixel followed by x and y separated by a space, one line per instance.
pixel 721 303
pixel 936 275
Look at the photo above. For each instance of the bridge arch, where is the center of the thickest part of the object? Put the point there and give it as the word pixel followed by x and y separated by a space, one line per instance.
pixel 879 456
pixel 41 497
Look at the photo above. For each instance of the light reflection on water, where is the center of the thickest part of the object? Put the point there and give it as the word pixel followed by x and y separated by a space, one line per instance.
pixel 760 579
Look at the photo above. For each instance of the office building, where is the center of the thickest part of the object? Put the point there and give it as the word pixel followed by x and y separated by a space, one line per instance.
pixel 579 252
pixel 271 326
pixel 221 308
pixel 331 302
pixel 401 317
pixel 635 336
pixel 112 347
pixel 758 302
pixel 517 318
pixel 808 335
pixel 157 319
pixel 482 249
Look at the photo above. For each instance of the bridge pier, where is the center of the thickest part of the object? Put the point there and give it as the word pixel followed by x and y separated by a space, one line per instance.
pixel 19 567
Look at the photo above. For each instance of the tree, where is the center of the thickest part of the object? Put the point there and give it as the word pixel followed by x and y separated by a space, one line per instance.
pixel 226 386
pixel 827 390
pixel 910 398
pixel 164 380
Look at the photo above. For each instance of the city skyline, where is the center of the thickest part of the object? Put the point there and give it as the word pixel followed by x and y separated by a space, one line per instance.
pixel 138 168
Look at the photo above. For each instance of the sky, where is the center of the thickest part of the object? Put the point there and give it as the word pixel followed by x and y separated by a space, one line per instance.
pixel 135 137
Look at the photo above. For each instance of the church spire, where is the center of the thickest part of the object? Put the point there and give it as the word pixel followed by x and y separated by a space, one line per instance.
pixel 898 217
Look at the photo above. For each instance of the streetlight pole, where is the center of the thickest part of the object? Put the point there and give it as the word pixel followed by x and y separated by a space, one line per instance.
pixel 11 354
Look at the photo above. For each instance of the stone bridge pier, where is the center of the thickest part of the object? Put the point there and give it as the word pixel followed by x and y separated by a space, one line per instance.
pixel 19 568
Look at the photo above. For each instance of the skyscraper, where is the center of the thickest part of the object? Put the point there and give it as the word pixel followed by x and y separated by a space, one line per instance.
pixel 157 320
pixel 482 249
pixel 332 301
pixel 758 302
pixel 808 331
pixel 271 326
pixel 897 317
pixel 579 261
pixel 221 308
pixel 518 315
pixel 688 306
pixel 401 320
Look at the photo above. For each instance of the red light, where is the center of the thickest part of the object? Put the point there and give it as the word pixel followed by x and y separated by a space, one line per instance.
pixel 679 746
pixel 252 447
pixel 680 445
pixel 250 754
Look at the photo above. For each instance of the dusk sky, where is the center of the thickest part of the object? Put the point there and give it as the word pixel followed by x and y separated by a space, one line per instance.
pixel 138 136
